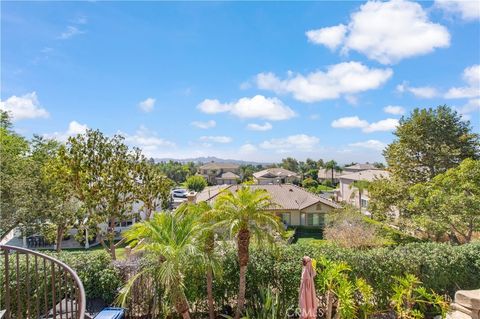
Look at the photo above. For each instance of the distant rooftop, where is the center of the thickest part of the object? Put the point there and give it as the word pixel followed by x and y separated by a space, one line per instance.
pixel 361 166
pixel 228 175
pixel 286 196
pixel 274 172
pixel 216 165
pixel 366 175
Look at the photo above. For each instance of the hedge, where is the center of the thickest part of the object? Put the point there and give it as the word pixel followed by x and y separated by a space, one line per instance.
pixel 441 267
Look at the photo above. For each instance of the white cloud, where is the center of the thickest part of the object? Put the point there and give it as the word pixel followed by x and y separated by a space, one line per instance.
pixel 74 128
pixel 472 106
pixel 388 32
pixel 204 125
pixel 148 141
pixel 425 92
pixel 381 126
pixel 256 107
pixel 147 105
pixel 216 139
pixel 345 78
pixel 300 142
pixel 331 37
pixel 24 107
pixel 355 122
pixel 259 127
pixel 370 144
pixel 349 122
pixel 248 148
pixel 471 76
pixel 70 32
pixel 394 109
pixel 468 9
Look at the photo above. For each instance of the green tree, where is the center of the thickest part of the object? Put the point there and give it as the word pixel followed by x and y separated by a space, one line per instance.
pixel 309 183
pixel 429 142
pixel 14 176
pixel 206 218
pixel 153 188
pixel 451 199
pixel 245 213
pixel 196 183
pixel 359 186
pixel 290 163
pixel 170 242
pixel 332 166
pixel 58 206
pixel 102 174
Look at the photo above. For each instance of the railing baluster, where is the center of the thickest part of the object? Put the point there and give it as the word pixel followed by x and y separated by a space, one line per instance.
pixel 27 313
pixel 7 284
pixel 45 285
pixel 71 295
pixel 19 301
pixel 61 286
pixel 60 280
pixel 37 289
pixel 54 292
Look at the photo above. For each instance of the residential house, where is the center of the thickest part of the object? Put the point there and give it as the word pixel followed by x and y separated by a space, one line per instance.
pixel 358 168
pixel 276 175
pixel 350 194
pixel 326 174
pixel 220 173
pixel 295 205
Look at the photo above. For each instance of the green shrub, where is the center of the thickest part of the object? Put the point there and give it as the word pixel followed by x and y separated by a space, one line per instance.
pixel 100 279
pixel 440 267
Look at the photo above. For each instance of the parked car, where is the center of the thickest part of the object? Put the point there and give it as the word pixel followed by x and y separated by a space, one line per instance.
pixel 180 193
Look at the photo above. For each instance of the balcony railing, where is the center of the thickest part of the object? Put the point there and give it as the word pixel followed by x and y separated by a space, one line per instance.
pixel 34 285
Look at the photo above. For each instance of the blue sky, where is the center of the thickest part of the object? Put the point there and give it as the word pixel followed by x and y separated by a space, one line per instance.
pixel 251 80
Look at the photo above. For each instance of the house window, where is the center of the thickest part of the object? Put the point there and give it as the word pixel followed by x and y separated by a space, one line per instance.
pixel 286 218
pixel 364 203
pixel 314 220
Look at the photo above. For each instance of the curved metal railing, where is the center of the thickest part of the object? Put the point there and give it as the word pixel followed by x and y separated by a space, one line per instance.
pixel 34 285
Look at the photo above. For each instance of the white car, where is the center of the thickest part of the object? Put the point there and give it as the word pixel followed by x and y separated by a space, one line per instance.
pixel 179 193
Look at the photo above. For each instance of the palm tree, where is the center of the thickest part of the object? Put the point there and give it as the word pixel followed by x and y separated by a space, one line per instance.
pixel 245 213
pixel 333 166
pixel 361 185
pixel 170 240
pixel 205 216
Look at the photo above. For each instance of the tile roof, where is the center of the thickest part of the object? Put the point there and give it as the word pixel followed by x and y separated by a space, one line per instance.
pixel 361 166
pixel 216 165
pixel 228 175
pixel 367 175
pixel 286 196
pixel 274 172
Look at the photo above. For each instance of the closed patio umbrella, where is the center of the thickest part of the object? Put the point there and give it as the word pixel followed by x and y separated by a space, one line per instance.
pixel 307 297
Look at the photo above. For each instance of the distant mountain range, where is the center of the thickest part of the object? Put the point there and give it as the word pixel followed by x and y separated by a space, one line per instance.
pixel 208 160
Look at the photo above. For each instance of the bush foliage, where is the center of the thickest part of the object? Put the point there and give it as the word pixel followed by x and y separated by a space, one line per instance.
pixel 440 267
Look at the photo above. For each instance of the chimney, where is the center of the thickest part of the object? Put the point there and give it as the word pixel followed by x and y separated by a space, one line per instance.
pixel 191 196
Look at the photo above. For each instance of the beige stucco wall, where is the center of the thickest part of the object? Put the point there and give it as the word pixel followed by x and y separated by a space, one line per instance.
pixel 317 208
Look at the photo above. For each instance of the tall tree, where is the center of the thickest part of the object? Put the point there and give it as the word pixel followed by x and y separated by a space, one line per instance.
pixel 170 242
pixel 152 188
pixel 333 167
pixel 101 172
pixel 206 218
pixel 429 142
pixel 245 213
pixel 14 168
pixel 290 163
pixel 360 187
pixel 452 199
